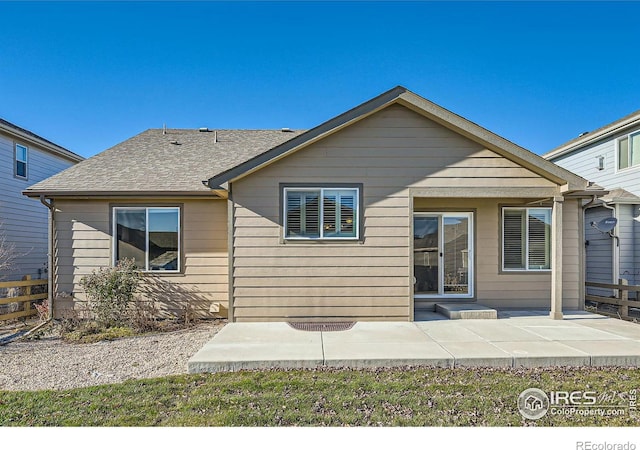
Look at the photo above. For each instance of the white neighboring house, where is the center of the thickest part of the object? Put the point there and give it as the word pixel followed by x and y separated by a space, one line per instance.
pixel 610 157
pixel 25 159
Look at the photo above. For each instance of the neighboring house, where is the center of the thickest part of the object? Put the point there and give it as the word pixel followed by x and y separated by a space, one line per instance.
pixel 610 157
pixel 26 158
pixel 388 208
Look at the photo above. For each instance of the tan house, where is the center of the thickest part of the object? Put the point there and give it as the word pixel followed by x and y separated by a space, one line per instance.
pixel 387 209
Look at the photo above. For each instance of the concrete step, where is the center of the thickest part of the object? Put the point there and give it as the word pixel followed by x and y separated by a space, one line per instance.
pixel 466 311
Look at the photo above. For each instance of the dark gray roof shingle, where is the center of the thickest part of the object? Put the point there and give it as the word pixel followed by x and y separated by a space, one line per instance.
pixel 155 162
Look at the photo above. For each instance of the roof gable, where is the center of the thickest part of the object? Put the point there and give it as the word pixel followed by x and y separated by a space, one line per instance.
pixel 402 96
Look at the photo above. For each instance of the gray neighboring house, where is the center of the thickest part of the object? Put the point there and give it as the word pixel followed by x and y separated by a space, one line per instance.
pixel 610 157
pixel 27 158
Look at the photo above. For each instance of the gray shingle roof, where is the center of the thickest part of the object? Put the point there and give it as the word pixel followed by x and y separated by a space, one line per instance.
pixel 154 162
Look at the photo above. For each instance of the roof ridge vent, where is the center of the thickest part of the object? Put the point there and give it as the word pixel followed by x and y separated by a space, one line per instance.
pixel 286 130
pixel 204 130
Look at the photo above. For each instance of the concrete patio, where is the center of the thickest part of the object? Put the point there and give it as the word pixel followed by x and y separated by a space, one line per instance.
pixel 516 339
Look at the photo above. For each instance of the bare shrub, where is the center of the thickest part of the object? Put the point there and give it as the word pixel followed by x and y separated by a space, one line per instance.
pixel 144 317
pixel 7 254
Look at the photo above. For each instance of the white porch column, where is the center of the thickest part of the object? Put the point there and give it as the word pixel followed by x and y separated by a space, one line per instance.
pixel 556 259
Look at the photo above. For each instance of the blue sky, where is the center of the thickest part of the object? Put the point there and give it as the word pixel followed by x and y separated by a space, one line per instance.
pixel 90 75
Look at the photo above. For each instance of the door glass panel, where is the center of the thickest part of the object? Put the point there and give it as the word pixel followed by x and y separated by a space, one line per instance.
pixel 425 255
pixel 456 255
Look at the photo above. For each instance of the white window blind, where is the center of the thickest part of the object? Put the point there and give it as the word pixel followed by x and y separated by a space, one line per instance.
pixel 335 217
pixel 514 232
pixel 539 239
pixel 303 213
pixel 526 238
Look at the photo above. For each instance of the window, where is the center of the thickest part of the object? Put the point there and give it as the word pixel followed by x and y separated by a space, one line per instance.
pixel 321 213
pixel 21 161
pixel 150 236
pixel 629 151
pixel 526 238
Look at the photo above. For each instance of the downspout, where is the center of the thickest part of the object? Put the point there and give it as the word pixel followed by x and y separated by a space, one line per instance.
pixel 616 251
pixel 49 205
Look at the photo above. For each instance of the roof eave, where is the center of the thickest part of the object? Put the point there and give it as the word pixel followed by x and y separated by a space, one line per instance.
pixel 122 194
pixel 590 138
pixel 49 146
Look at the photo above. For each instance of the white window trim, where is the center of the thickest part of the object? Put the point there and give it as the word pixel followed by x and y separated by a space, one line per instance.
pixel 526 241
pixel 617 153
pixel 146 209
pixel 25 161
pixel 321 214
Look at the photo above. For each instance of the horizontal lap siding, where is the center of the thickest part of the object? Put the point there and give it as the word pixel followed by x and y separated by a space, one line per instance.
pixel 389 153
pixel 515 289
pixel 585 163
pixel 83 244
pixel 24 221
pixel 599 252
pixel 625 231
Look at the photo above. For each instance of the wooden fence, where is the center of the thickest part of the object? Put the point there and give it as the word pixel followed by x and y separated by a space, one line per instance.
pixel 26 296
pixel 621 300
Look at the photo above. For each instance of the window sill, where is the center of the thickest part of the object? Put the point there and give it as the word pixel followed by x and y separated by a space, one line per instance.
pixel 323 241
pixel 628 169
pixel 524 272
pixel 161 273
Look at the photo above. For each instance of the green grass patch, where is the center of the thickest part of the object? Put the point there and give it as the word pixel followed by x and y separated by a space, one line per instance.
pixel 323 397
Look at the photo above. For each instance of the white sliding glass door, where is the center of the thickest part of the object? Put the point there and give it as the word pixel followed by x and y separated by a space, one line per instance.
pixel 442 255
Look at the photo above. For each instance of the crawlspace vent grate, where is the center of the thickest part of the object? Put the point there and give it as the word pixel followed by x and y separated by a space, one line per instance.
pixel 322 326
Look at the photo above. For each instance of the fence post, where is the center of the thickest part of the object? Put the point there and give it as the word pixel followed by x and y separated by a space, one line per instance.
pixel 27 291
pixel 623 295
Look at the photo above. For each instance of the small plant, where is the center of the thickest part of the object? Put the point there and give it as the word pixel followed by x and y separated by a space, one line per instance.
pixel 43 309
pixel 90 331
pixel 111 291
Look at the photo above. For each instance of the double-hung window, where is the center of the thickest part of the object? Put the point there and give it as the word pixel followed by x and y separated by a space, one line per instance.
pixel 20 164
pixel 148 235
pixel 321 213
pixel 629 151
pixel 526 239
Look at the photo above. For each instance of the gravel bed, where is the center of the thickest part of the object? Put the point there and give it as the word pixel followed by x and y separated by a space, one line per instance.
pixel 51 363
